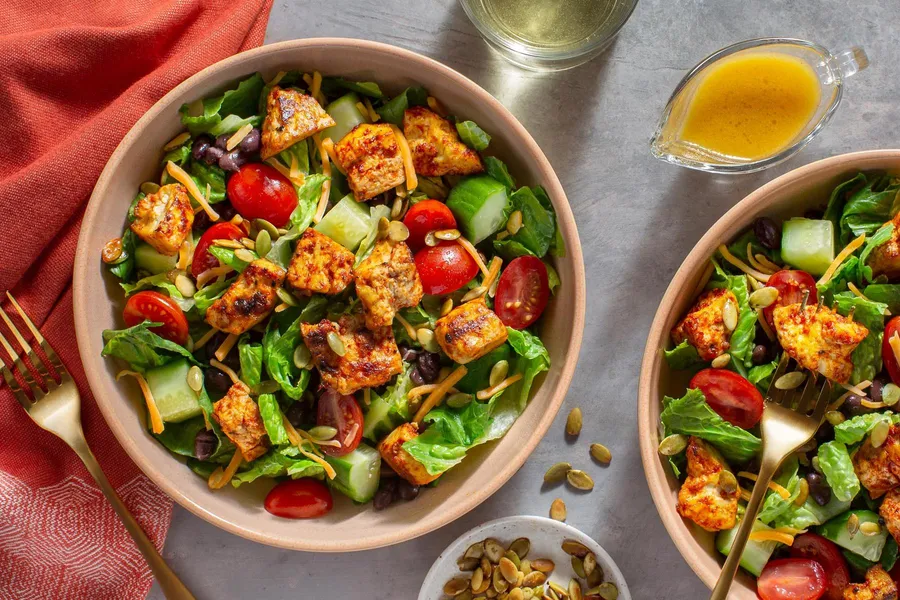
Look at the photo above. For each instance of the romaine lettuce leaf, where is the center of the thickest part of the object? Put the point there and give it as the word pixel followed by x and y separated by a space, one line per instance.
pixel 204 297
pixel 278 349
pixel 226 257
pixel 868 206
pixel 272 419
pixel 160 281
pixel 855 429
pixel 453 431
pixel 472 135
pixel 886 293
pixel 557 244
pixel 365 246
pixel 179 437
pixel 774 505
pixel 538 223
pixel 242 101
pixel 307 200
pixel 836 202
pixel 884 234
pixel 742 337
pixel 141 348
pixel 333 85
pixel 683 356
pixel 835 463
pixel 250 355
pixel 225 449
pixel 392 111
pixel 761 375
pixel 278 463
pixel 203 174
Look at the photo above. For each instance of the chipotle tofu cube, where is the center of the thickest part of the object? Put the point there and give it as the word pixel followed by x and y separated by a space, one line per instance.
pixel 885 258
pixel 370 357
pixel 164 219
pixel 291 116
pixel 249 299
pixel 819 338
pixel 435 145
pixel 469 331
pixel 879 585
pixel 878 468
pixel 708 497
pixel 890 512
pixel 370 156
pixel 391 449
pixel 704 325
pixel 238 416
pixel 387 281
pixel 320 265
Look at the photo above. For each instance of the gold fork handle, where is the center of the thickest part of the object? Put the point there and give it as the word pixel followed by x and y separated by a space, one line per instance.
pixel 168 580
pixel 766 472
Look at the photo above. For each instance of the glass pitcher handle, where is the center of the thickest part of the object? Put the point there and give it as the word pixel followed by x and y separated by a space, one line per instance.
pixel 851 61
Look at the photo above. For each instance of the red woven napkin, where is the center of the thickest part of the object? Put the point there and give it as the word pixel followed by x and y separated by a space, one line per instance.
pixel 74 78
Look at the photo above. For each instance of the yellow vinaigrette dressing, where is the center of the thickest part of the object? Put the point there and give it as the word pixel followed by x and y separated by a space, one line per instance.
pixel 752 106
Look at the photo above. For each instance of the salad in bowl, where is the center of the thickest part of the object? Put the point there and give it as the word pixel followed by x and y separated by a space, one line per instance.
pixel 822 290
pixel 331 288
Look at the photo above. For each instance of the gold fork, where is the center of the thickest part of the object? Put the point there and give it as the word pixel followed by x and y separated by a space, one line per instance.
pixel 56 406
pixel 790 419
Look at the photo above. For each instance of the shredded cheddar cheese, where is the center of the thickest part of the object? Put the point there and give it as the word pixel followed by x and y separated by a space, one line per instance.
pixel 177 141
pixel 436 396
pixel 772 536
pixel 436 106
pixel 373 116
pixel 219 478
pixel 764 260
pixel 745 495
pixel 727 255
pixel 295 168
pixel 277 79
pixel 764 324
pixel 704 279
pixel 276 164
pixel 755 263
pixel 204 338
pixel 367 396
pixel 226 369
pixel 470 248
pixel 316 88
pixel 238 137
pixel 156 422
pixel 489 392
pixel 326 186
pixel 328 146
pixel 410 330
pixel 894 342
pixel 840 258
pixel 226 346
pixel 210 274
pixel 185 253
pixel 295 437
pixel 408 166
pixel 778 489
pixel 182 177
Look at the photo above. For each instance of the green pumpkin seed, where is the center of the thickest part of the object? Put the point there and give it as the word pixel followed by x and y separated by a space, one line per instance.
pixel 476 550
pixel 398 232
pixel 574 422
pixel 384 225
pixel 493 550
pixel 302 356
pixel 195 378
pixel 397 207
pixel 721 361
pixel 834 417
pixel 467 564
pixel 323 432
pixel 575 592
pixel 446 307
pixel 870 528
pixel 514 558
pixel 763 297
pixel 514 224
pixel 890 394
pixel 521 546
pixel 790 381
pixel 575 548
pixel 728 482
pixel 459 400
pixel 244 255
pixel 673 444
pixel 558 589
pixel 558 510
pixel 508 570
pixel 590 563
pixel 425 337
pixel 149 187
pixel 879 434
pixel 431 239
pixel 729 315
pixel 608 591
pixel 557 472
pixel 263 242
pixel 287 297
pixel 447 234
pixel 185 286
pixel 498 372
pixel 336 343
pixel 456 586
pixel 578 567
pixel 595 578
pixel 580 480
pixel 263 225
pixel 601 453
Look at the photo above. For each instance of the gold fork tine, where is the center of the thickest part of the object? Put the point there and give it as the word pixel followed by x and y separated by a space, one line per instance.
pixel 822 401
pixel 9 369
pixel 22 369
pixel 810 394
pixel 55 362
pixel 36 361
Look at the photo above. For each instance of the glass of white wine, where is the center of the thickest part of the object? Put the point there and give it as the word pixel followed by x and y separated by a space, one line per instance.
pixel 549 35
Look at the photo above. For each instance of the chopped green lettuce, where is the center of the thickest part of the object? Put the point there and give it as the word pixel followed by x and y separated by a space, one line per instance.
pixel 279 463
pixel 204 297
pixel 497 169
pixel 160 281
pixel 742 337
pixel 761 375
pixel 203 174
pixel 855 429
pixel 227 257
pixel 278 349
pixel 272 419
pixel 683 356
pixel 250 354
pixel 376 213
pixel 885 293
pixel 392 111
pixel 179 437
pixel 472 135
pixel 333 85
pixel 862 205
pixel 884 234
pixel 774 505
pixel 835 463
pixel 242 101
pixel 538 222
pixel 141 348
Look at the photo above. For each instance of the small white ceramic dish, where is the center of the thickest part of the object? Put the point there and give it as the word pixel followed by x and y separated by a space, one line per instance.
pixel 546 537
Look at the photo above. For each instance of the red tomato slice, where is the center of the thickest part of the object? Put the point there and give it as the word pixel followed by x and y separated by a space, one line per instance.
pixel 158 308
pixel 203 260
pixel 732 396
pixel 790 286
pixel 826 553
pixel 299 499
pixel 523 292
pixel 424 217
pixel 791 579
pixel 887 353
pixel 444 268
pixel 895 573
pixel 342 413
pixel 258 191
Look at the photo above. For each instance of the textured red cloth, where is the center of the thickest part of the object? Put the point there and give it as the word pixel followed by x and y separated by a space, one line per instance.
pixel 75 75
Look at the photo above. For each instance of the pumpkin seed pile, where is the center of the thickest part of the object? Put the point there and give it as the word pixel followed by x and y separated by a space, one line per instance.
pixel 508 574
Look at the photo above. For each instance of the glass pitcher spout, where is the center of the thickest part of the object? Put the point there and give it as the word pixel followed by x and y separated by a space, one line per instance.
pixel 754 104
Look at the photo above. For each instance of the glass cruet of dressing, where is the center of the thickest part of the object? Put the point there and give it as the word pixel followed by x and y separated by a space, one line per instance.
pixel 752 105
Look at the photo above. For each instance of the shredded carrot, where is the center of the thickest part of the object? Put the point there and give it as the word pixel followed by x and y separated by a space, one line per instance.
pixel 411 181
pixel 439 392
pixel 219 478
pixel 156 422
pixel 840 258
pixel 182 177
pixel 226 346
pixel 778 489
pixel 489 392
pixel 727 255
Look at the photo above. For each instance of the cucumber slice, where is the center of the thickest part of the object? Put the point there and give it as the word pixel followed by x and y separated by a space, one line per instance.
pixel 381 419
pixel 346 116
pixel 808 244
pixel 347 222
pixel 867 546
pixel 148 259
pixel 479 371
pixel 357 473
pixel 756 554
pixel 479 204
pixel 174 398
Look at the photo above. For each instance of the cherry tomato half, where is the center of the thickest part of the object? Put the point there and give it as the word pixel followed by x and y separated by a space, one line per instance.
pixel 258 191
pixel 299 499
pixel 426 216
pixel 444 268
pixel 523 292
pixel 732 396
pixel 826 553
pixel 203 260
pixel 342 413
pixel 887 352
pixel 155 307
pixel 790 286
pixel 791 579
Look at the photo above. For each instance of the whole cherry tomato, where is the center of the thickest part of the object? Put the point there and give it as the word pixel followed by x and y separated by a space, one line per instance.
pixel 258 191
pixel 299 499
pixel 733 397
pixel 157 308
pixel 342 413
pixel 791 579
pixel 444 268
pixel 424 217
pixel 887 351
pixel 203 260
pixel 523 292
pixel 826 553
pixel 790 286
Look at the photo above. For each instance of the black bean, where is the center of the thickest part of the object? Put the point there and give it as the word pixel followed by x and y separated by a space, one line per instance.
pixel 205 443
pixel 416 377
pixel 201 222
pixel 216 381
pixel 876 389
pixel 813 213
pixel 408 354
pixel 212 155
pixel 298 413
pixel 818 488
pixel 250 143
pixel 429 365
pixel 407 491
pixel 226 211
pixel 760 354
pixel 385 494
pixel 200 145
pixel 232 161
pixel 824 434
pixel 222 141
pixel 853 406
pixel 767 232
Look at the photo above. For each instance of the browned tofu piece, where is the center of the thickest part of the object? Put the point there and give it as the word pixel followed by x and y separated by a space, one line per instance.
pixel 819 339
pixel 469 331
pixel 878 586
pixel 238 416
pixel 435 145
pixel 890 512
pixel 370 156
pixel 878 469
pixel 291 116
pixel 320 265
pixel 704 326
pixel 249 299
pixel 705 498
pixel 370 359
pixel 387 281
pixel 885 258
pixel 164 219
pixel 391 449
